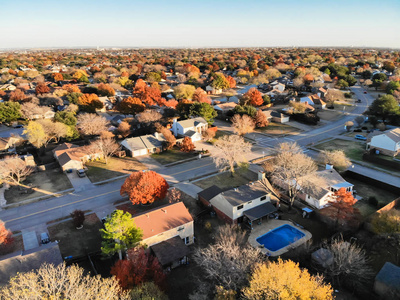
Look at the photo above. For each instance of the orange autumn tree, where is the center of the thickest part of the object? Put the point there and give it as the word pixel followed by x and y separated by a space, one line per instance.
pixel 17 95
pixel 200 95
pixel 89 102
pixel 5 234
pixel 232 82
pixel 71 88
pixel 187 145
pixel 58 77
pixel 105 89
pixel 130 105
pixel 254 97
pixel 144 187
pixel 42 88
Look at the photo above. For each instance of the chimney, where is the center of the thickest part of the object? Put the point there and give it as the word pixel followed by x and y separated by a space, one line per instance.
pixel 328 167
pixel 156 134
pixel 261 175
pixel 175 126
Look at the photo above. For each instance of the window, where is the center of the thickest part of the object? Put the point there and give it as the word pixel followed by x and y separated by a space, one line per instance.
pixel 263 198
pixel 239 207
pixel 187 240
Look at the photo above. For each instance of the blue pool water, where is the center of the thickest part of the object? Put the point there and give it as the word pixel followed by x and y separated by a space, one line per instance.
pixel 280 237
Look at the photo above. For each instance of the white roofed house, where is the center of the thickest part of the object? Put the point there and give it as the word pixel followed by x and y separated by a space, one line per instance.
pixel 192 128
pixel 388 142
pixel 145 144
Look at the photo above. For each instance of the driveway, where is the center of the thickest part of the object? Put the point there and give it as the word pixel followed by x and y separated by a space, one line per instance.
pixel 79 183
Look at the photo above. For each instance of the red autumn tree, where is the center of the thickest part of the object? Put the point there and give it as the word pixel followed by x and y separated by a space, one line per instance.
pixel 5 235
pixel 58 77
pixel 254 97
pixel 171 103
pixel 308 77
pixel 232 82
pixel 139 267
pixel 140 87
pixel 130 105
pixel 144 187
pixel 105 89
pixel 200 95
pixel 17 95
pixel 187 145
pixel 42 88
pixel 260 119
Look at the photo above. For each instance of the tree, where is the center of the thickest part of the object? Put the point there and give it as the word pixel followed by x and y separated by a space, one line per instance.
pixel 35 134
pixel 5 235
pixel 253 97
pixel 74 97
pixel 342 83
pixel 210 133
pixel 378 79
pixel 242 124
pixel 201 96
pixel 149 116
pixel 139 267
pixel 285 280
pixel 153 77
pixel 71 88
pixel 148 290
pixel 119 233
pixel 107 146
pixel 386 222
pixel 392 86
pixel 144 187
pixel 58 77
pixel 13 169
pixel 105 90
pixel 17 95
pixel 359 120
pixel 384 106
pixel 336 158
pixel 298 107
pixel 350 267
pixel 42 88
pixel 30 109
pixel 174 195
pixel 9 112
pixel 348 125
pixel 169 137
pixel 124 128
pixel 89 102
pixel 220 82
pixel 187 145
pixel 229 260
pixel 78 217
pixel 245 110
pixel 204 110
pixel 184 91
pixel 53 130
pixel 92 124
pixel 231 151
pixel 293 170
pixel 231 81
pixel 62 282
pixel 334 95
pixel 130 106
pixel 66 117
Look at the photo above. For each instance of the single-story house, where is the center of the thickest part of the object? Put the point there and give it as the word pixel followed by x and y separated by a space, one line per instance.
pixel 26 261
pixel 276 116
pixel 6 143
pixel 213 91
pixel 72 157
pixel 167 230
pixel 223 108
pixel 142 145
pixel 7 87
pixel 388 142
pixel 387 282
pixel 49 114
pixel 307 100
pixel 321 196
pixel 193 128
pixel 246 203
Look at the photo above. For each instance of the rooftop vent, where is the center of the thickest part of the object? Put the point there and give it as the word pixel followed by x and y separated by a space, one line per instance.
pixel 164 210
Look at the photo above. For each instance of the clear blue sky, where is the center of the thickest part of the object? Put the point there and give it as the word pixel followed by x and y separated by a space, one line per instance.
pixel 206 23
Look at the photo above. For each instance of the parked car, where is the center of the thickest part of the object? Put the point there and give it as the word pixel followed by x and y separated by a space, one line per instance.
pixel 360 137
pixel 365 92
pixel 81 172
pixel 359 101
pixel 44 238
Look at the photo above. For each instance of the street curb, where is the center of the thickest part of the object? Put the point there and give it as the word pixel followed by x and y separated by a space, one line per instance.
pixel 186 160
pixel 110 180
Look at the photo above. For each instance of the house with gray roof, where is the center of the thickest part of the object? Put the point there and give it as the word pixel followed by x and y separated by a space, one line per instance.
pixel 193 128
pixel 142 145
pixel 387 142
pixel 387 282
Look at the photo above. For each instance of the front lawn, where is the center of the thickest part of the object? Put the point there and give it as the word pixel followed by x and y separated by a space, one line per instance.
pixel 16 245
pixel 40 184
pixel 278 129
pixel 171 156
pixel 225 181
pixel 99 170
pixel 77 242
pixel 354 150
pixel 329 114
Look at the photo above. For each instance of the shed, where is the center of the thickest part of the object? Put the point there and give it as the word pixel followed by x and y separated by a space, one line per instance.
pixel 387 282
pixel 323 257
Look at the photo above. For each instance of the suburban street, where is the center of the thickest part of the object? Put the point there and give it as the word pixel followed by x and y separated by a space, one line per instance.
pixel 101 198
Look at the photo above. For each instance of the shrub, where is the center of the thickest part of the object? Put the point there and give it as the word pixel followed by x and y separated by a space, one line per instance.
pixel 78 217
pixel 373 201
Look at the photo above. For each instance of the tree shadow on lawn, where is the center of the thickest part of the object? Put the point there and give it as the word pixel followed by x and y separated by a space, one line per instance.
pixel 77 242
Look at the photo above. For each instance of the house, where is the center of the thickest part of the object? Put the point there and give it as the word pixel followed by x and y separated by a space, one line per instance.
pixel 193 128
pixel 387 282
pixel 223 108
pixel 7 87
pixel 307 100
pixel 167 230
pixel 46 113
pixel 26 261
pixel 279 86
pixel 72 157
pixel 320 197
pixel 277 116
pixel 213 91
pixel 7 144
pixel 247 203
pixel 388 142
pixel 145 144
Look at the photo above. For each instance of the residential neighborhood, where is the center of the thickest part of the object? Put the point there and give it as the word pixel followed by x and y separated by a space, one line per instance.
pixel 220 172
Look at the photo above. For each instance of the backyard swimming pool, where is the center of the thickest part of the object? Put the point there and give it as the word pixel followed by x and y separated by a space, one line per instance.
pixel 280 237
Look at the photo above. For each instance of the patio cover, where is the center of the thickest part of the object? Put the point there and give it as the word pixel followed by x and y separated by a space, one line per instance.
pixel 260 211
pixel 170 250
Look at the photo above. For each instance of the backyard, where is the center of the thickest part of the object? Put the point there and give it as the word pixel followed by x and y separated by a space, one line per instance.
pixel 225 181
pixel 38 184
pixel 277 129
pixel 353 149
pixel 172 156
pixel 74 242
pixel 99 170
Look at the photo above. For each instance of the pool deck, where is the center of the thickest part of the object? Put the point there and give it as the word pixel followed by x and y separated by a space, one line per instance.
pixel 269 225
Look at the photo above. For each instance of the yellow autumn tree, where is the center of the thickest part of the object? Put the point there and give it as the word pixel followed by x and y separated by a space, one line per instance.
pixel 285 280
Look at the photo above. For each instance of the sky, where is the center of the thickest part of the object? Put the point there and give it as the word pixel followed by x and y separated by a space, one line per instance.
pixel 206 23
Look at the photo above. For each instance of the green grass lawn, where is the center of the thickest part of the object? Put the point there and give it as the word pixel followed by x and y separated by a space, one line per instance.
pixel 353 149
pixel 278 129
pixel 99 170
pixel 41 183
pixel 77 242
pixel 226 182
pixel 171 156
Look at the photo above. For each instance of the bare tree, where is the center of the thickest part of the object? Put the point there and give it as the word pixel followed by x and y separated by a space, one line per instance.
pixel 14 169
pixel 29 110
pixel 293 170
pixel 337 158
pixel 92 124
pixel 230 260
pixel 348 125
pixel 334 95
pixel 242 124
pixel 169 137
pixel 60 282
pixel 148 116
pixel 53 130
pixel 124 128
pixel 174 195
pixel 231 151
pixel 260 119
pixel 105 145
pixel 359 120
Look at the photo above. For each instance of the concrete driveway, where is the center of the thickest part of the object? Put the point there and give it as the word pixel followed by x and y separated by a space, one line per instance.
pixel 79 183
